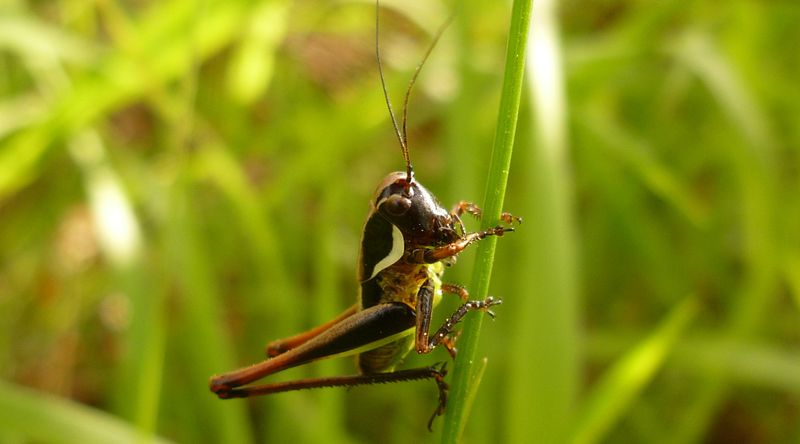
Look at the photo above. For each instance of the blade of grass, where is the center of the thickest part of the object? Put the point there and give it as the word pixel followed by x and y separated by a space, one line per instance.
pixel 118 231
pixel 637 154
pixel 201 335
pixel 752 161
pixel 118 80
pixel 39 417
pixel 544 369
pixel 468 131
pixel 758 364
pixel 253 64
pixel 620 386
pixel 465 378
pixel 776 368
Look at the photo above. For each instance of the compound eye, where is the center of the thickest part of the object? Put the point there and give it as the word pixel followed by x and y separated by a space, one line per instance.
pixel 396 205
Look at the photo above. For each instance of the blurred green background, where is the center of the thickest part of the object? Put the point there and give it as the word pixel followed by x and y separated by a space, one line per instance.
pixel 183 181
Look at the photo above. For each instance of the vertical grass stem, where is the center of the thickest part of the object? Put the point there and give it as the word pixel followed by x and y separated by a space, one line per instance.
pixel 464 377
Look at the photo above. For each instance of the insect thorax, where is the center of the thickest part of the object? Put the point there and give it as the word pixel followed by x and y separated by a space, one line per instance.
pixel 399 282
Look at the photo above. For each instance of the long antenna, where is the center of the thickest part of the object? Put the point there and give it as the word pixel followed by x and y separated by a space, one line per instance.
pixel 401 137
pixel 435 40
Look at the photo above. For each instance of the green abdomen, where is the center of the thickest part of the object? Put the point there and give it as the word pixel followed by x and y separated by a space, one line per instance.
pixel 397 283
pixel 385 358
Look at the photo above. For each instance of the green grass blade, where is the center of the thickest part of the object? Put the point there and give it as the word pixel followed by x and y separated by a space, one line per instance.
pixel 120 78
pixel 138 379
pixel 544 368
pixel 202 339
pixel 752 163
pixel 755 364
pixel 464 379
pixel 39 417
pixel 620 386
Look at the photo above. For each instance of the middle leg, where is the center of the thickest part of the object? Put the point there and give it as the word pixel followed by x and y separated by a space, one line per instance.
pixel 424 341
